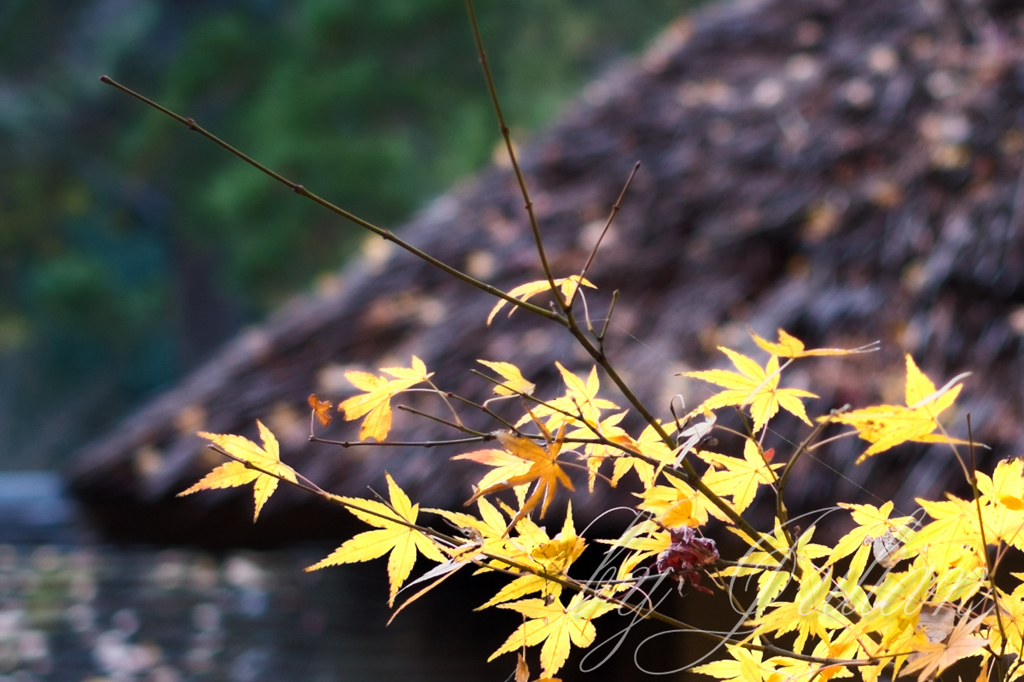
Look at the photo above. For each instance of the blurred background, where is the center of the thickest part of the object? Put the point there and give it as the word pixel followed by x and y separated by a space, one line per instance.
pixel 130 249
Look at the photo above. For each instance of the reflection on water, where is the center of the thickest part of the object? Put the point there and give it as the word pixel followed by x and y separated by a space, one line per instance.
pixel 95 613
pixel 77 611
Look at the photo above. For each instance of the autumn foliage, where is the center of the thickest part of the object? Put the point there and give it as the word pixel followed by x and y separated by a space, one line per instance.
pixel 935 601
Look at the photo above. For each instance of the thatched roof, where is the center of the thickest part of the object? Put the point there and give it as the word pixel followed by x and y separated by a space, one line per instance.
pixel 847 171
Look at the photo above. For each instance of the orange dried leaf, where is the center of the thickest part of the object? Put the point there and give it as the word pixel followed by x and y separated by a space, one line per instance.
pixel 321 408
pixel 541 467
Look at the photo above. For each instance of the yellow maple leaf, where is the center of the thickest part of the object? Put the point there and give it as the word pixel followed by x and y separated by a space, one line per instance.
pixel 543 469
pixel 932 658
pixel 487 534
pixel 745 666
pixel 886 426
pixel 648 444
pixel 514 383
pixel 1003 499
pixel 580 399
pixel 505 467
pixel 394 535
pixel 737 477
pixel 753 386
pixel 789 346
pixel 1012 611
pixel 556 625
pixel 553 558
pixel 376 402
pixel 811 613
pixel 872 522
pixel 567 285
pixel 952 535
pixel 660 499
pixel 597 453
pixel 266 459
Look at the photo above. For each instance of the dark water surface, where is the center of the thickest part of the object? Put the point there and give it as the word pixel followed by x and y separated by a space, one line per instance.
pixel 76 610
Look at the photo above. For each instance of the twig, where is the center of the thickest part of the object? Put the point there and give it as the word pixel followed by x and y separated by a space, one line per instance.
pixel 427 415
pixel 302 191
pixel 403 443
pixel 973 480
pixel 607 224
pixel 780 487
pixel 506 135
pixel 607 320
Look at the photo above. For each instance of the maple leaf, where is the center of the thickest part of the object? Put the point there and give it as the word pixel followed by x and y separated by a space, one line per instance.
pixel 1012 611
pixel 791 347
pixel 394 535
pixel 514 383
pixel 738 477
pixel 597 453
pixel 265 470
pixel 543 468
pixel 746 666
pixel 886 426
pixel 809 614
pixel 872 522
pixel 952 535
pixel 567 285
pixel 764 557
pixel 753 386
pixel 320 409
pixel 933 658
pixel 487 534
pixel 376 402
pixel 580 399
pixel 661 499
pixel 1003 497
pixel 650 445
pixel 506 466
pixel 556 626
pixel 552 558
pixel 646 538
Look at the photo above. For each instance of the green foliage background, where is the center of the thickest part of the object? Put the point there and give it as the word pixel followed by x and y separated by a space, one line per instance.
pixel 129 248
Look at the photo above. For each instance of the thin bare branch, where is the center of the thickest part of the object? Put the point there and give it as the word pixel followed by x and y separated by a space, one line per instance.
pixel 302 191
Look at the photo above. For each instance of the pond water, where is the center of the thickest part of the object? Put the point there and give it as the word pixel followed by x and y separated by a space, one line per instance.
pixel 75 610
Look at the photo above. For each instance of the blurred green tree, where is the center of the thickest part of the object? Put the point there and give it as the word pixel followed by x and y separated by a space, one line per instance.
pixel 128 250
